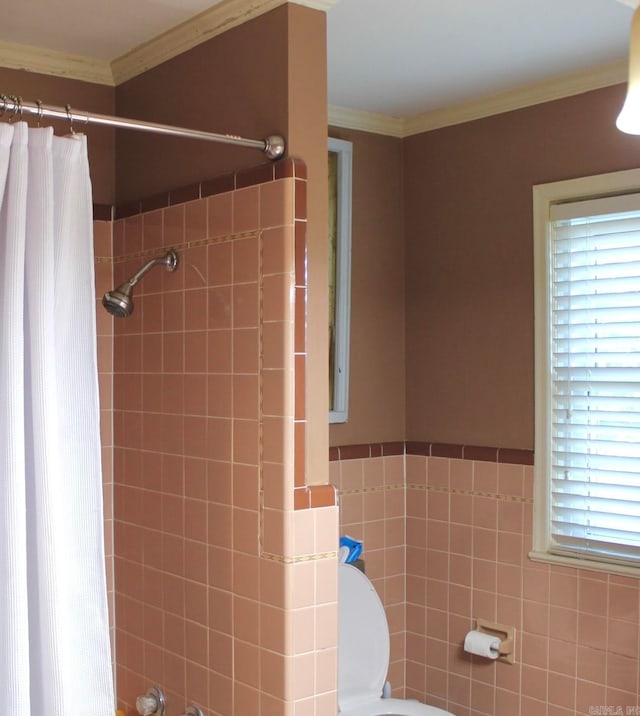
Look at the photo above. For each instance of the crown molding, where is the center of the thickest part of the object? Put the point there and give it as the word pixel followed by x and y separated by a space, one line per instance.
pixel 59 64
pixel 366 121
pixel 218 19
pixel 527 96
pixel 221 17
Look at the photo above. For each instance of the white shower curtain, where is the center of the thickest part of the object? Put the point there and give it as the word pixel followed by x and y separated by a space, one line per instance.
pixel 55 655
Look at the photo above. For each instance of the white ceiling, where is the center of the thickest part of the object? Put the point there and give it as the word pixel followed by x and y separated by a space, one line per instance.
pixel 397 58
pixel 407 57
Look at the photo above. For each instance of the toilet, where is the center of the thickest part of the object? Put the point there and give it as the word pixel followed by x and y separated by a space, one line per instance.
pixel 363 652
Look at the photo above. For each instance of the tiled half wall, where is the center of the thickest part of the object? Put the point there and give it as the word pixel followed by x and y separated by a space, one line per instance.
pixel 224 584
pixel 446 532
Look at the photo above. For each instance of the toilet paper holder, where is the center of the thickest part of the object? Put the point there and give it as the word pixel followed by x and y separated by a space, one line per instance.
pixel 506 634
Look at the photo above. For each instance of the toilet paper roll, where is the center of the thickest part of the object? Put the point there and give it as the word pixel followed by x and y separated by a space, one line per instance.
pixel 481 644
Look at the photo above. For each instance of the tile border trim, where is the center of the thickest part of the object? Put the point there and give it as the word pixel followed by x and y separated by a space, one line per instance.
pixel 145 253
pixel 470 493
pixel 287 168
pixel 435 488
pixel 512 456
pixel 301 559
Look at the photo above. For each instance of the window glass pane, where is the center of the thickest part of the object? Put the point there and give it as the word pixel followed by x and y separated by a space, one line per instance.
pixel 594 372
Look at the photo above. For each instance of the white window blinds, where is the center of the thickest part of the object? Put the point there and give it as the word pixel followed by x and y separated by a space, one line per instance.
pixel 594 379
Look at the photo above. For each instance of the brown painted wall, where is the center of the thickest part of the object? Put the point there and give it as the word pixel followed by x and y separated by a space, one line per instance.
pixel 377 376
pixel 236 83
pixel 469 259
pixel 60 91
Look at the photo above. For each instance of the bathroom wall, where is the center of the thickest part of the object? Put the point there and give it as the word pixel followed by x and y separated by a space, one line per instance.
pixel 469 259
pixel 265 76
pixel 455 533
pixel 371 485
pixel 468 535
pixel 469 430
pixel 469 289
pixel 225 593
pixel 235 83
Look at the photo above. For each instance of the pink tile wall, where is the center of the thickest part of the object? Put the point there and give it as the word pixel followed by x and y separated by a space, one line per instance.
pixel 215 572
pixel 372 509
pixel 468 533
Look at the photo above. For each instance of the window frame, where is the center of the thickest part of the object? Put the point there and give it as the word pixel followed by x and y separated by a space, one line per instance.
pixel 544 196
pixel 339 401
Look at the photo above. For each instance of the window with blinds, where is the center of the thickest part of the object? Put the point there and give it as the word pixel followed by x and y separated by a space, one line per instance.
pixel 588 383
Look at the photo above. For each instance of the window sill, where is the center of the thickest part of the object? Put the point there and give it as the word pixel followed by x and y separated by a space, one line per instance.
pixel 593 565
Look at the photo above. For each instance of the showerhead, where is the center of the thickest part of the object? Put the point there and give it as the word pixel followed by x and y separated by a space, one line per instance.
pixel 119 302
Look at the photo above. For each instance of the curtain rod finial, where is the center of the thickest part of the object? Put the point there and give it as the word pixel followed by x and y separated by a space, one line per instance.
pixel 274 146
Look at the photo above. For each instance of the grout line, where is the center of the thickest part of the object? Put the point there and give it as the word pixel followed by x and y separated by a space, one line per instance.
pixel 261 397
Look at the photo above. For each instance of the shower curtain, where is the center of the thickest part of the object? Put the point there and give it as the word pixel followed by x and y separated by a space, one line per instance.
pixel 55 655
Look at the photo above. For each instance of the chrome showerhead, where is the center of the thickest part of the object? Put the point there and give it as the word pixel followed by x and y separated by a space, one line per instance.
pixel 119 302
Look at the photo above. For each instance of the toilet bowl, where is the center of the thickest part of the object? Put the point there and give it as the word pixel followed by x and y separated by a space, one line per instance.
pixel 363 652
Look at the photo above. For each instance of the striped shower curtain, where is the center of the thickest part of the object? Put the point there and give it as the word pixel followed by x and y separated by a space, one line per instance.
pixel 54 634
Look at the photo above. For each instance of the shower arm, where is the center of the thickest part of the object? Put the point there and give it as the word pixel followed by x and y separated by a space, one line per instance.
pixel 142 271
pixel 170 260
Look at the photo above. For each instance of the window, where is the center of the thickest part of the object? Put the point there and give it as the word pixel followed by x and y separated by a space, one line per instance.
pixel 587 282
pixel 340 153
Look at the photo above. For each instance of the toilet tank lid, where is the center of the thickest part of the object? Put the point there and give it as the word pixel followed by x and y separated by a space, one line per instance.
pixel 363 639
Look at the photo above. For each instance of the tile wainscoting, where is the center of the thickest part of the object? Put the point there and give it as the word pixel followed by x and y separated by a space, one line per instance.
pixel 447 531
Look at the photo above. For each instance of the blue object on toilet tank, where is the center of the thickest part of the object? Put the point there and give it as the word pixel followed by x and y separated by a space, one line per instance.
pixel 354 546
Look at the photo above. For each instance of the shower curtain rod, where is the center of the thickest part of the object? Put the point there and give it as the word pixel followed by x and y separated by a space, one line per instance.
pixel 272 146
